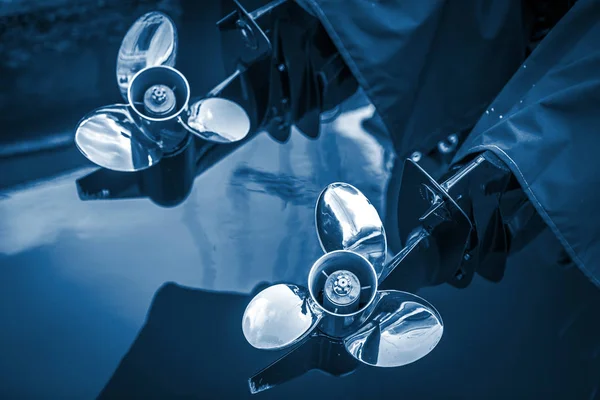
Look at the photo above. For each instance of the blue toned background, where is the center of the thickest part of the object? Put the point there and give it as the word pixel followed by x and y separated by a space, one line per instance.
pixel 85 307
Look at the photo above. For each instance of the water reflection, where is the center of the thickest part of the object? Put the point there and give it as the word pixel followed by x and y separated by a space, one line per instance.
pixel 249 219
pixel 290 189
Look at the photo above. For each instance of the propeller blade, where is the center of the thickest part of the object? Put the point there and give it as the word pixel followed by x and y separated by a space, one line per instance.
pixel 151 41
pixel 402 328
pixel 110 138
pixel 217 120
pixel 346 220
pixel 279 316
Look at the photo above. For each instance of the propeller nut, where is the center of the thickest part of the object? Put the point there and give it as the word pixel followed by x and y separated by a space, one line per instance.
pixel 342 285
pixel 159 100
pixel 342 291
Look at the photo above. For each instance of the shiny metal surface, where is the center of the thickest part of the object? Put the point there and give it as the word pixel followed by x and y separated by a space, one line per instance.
pixel 151 41
pixel 279 316
pixel 164 129
pixel 110 137
pixel 159 100
pixel 402 329
pixel 346 220
pixel 266 8
pixel 342 291
pixel 342 260
pixel 413 242
pixel 217 120
pixel 341 320
pixel 148 78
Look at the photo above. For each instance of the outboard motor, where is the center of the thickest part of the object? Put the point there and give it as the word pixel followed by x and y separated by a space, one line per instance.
pixel 450 229
pixel 283 72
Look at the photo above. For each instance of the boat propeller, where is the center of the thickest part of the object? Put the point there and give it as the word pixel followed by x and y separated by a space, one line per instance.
pixel 382 328
pixel 159 113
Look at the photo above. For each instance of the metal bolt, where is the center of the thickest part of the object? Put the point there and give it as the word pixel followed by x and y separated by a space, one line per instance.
pixel 449 145
pixel 416 156
pixel 341 292
pixel 342 285
pixel 247 33
pixel 159 100
pixel 159 94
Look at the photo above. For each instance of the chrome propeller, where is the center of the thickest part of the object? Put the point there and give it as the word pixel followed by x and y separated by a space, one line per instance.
pixel 158 114
pixel 380 328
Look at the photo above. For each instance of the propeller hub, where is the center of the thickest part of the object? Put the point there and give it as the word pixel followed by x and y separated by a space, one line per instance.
pixel 342 291
pixel 159 100
pixel 342 284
